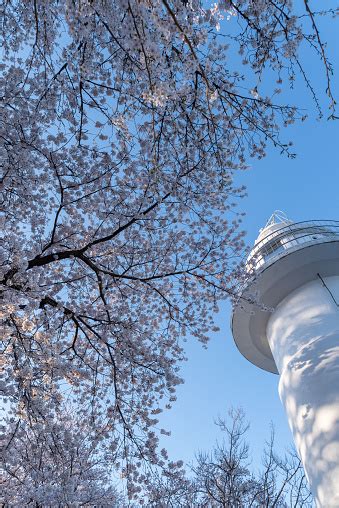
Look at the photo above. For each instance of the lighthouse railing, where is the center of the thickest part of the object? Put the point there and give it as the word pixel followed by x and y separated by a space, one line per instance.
pixel 280 241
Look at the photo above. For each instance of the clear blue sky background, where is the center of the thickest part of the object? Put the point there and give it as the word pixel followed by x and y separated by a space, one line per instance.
pixel 304 188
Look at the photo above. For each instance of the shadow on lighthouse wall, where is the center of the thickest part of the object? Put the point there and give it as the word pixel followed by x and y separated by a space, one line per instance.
pixel 303 316
pixel 303 333
pixel 309 390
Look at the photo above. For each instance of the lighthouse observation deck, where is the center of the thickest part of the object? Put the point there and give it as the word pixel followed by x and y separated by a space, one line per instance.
pixel 285 237
pixel 285 256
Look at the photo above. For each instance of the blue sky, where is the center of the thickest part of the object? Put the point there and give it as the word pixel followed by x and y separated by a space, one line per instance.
pixel 305 188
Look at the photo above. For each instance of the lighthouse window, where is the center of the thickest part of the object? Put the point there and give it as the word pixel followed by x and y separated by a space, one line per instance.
pixel 273 246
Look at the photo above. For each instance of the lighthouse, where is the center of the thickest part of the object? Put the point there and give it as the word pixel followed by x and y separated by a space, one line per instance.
pixel 286 321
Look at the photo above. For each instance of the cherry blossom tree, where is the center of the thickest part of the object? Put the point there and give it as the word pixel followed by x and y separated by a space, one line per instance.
pixel 65 462
pixel 56 462
pixel 123 124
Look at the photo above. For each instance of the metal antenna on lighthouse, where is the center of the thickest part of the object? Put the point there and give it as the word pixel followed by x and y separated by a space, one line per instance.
pixel 277 217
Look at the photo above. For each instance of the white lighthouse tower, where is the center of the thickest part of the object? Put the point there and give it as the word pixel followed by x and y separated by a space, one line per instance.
pixel 287 322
